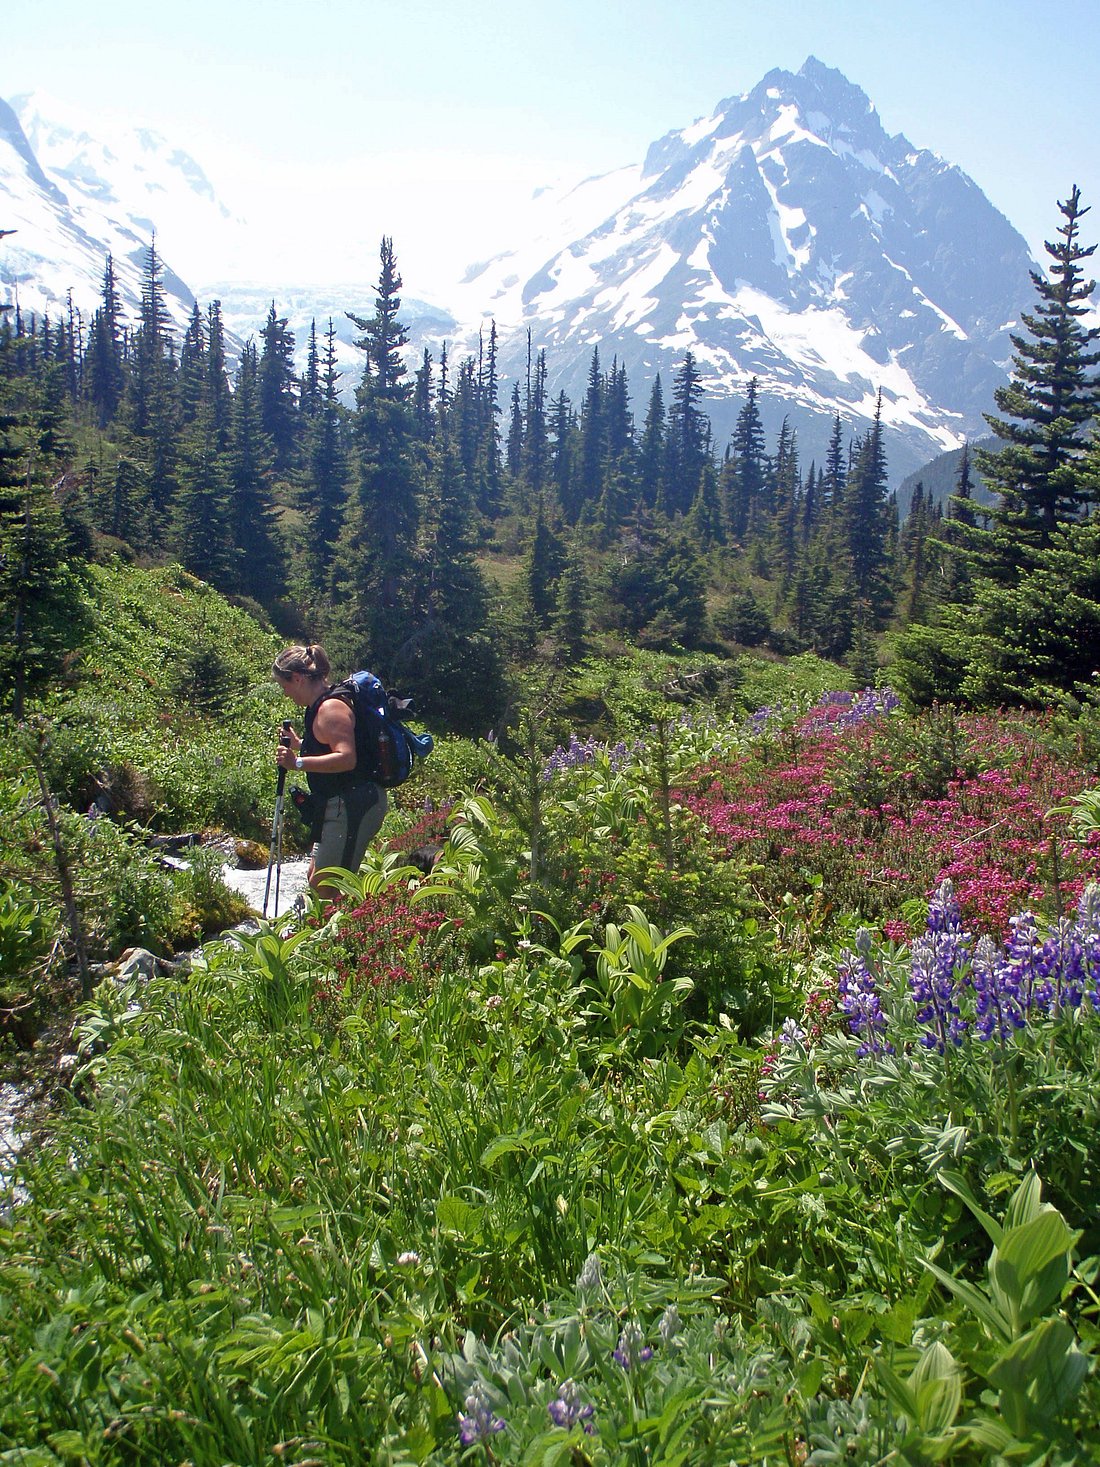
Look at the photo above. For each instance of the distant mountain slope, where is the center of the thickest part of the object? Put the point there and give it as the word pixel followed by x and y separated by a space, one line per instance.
pixel 940 476
pixel 74 195
pixel 786 237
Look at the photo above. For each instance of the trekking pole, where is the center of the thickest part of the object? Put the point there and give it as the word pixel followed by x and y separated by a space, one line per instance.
pixel 275 855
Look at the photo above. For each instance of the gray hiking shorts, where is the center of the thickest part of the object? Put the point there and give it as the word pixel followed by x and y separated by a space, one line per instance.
pixel 352 820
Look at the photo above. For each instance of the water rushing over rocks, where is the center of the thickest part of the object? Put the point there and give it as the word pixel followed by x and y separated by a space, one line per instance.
pixel 10 1136
pixel 251 885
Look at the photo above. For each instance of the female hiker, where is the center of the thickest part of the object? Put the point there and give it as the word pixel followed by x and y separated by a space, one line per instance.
pixel 348 807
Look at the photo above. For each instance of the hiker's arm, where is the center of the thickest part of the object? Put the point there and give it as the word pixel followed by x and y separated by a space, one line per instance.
pixel 335 726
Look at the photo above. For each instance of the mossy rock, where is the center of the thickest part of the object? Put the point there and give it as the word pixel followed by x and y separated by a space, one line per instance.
pixel 251 856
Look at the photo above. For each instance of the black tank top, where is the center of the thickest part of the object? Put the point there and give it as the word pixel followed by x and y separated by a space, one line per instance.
pixel 327 784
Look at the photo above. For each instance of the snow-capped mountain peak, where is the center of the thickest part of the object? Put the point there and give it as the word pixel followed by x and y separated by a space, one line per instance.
pixel 785 236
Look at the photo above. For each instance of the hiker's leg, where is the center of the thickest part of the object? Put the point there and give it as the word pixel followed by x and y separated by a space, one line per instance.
pixel 351 823
pixel 367 806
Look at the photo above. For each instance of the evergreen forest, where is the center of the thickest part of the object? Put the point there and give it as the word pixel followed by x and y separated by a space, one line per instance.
pixel 701 1066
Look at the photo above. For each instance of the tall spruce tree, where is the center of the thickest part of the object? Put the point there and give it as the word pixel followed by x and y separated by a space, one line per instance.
pixel 866 523
pixel 452 663
pixel 686 445
pixel 41 610
pixel 651 449
pixel 278 384
pixel 151 408
pixel 588 482
pixel 1023 624
pixel 377 557
pixel 201 529
pixel 250 461
pixel 747 460
pixel 1053 395
pixel 217 376
pixel 103 379
pixel 325 499
pixel 488 478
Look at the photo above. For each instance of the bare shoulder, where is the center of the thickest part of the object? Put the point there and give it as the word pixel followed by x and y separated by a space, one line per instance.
pixel 334 718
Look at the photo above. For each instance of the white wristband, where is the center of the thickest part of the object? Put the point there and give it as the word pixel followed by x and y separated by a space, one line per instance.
pixel 299 763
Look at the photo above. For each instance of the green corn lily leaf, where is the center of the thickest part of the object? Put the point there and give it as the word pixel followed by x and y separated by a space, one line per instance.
pixel 976 1301
pixel 1031 1266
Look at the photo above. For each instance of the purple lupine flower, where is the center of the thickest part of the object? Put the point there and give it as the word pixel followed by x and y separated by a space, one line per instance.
pixel 568 1410
pixel 580 751
pixel 1063 957
pixel 792 1032
pixel 1024 953
pixel 849 710
pixel 478 1422
pixel 759 720
pixel 585 751
pixel 998 1010
pixel 938 968
pixel 632 1350
pixel 858 995
pixel 1088 935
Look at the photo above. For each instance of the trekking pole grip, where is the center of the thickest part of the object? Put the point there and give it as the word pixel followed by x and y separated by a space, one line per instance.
pixel 284 740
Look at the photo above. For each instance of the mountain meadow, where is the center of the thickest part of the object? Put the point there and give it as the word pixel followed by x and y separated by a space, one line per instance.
pixel 701 1068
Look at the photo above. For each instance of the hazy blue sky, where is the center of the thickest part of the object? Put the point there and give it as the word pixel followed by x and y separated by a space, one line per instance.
pixel 327 124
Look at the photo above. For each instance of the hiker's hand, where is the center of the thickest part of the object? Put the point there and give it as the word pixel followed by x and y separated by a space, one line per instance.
pixel 285 753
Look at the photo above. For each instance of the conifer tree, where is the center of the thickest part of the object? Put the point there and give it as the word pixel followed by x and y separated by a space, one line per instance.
pixel 424 412
pixel 747 460
pixel 120 493
pixel 562 448
pixel 913 558
pixel 619 425
pixel 542 569
pixel 651 449
pixel 866 521
pixel 103 379
pixel 201 530
pixel 217 376
pixel 686 441
pixel 536 443
pixel 588 483
pixel 327 457
pixel 488 475
pixel 786 499
pixel 41 610
pixel 278 405
pixel 257 566
pixel 193 382
pixel 706 524
pixel 309 391
pixel 151 409
pixel 452 664
pixel 377 558
pixel 570 626
pixel 1053 395
pixel 514 445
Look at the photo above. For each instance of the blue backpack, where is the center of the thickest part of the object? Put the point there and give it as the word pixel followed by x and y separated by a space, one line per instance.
pixel 385 750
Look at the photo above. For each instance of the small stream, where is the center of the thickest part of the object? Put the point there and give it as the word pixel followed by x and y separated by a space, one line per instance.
pixel 252 884
pixel 10 1139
